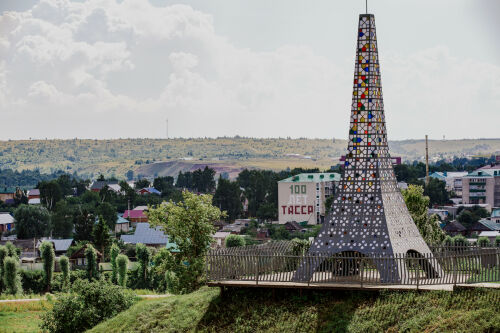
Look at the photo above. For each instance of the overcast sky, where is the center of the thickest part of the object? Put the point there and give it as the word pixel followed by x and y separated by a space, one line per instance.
pixel 260 68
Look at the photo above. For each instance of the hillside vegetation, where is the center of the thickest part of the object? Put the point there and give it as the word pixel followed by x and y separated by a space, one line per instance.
pixel 115 157
pixel 256 310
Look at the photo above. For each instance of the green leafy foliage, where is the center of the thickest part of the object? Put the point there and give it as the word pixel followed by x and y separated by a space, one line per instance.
pixel 114 252
pixel 31 221
pixel 483 241
pixel 144 257
pixel 65 270
pixel 234 241
pixel 467 216
pixel 122 263
pixel 189 224
pixel 417 204
pixel 62 220
pixel 48 256
pixel 11 277
pixel 88 304
pixel 91 257
pixel 100 235
pixel 228 198
pixel 300 246
pixel 460 240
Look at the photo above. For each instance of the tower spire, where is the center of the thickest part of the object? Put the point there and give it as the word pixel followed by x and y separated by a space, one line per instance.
pixel 368 215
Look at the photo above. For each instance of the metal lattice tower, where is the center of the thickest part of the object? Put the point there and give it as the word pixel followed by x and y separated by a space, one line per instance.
pixel 368 214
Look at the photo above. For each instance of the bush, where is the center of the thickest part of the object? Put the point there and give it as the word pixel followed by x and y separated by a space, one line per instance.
pixel 300 246
pixel 121 263
pixel 483 241
pixel 87 305
pixel 11 278
pixel 48 255
pixel 448 241
pixel 32 281
pixel 234 241
pixel 497 241
pixel 460 240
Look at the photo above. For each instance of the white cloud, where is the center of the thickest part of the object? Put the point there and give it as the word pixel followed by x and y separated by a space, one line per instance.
pixel 108 69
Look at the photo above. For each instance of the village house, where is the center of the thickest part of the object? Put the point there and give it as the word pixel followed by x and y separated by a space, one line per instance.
pixel 148 190
pixel 7 222
pixel 61 246
pixel 154 237
pixel 122 224
pixel 7 195
pixel 78 258
pixel 34 197
pixel 220 239
pixel 136 215
pixel 455 228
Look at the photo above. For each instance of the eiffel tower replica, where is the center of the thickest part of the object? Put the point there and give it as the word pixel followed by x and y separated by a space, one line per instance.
pixel 368 215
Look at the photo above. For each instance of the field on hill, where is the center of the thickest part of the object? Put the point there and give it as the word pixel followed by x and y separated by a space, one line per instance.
pixel 89 158
pixel 256 310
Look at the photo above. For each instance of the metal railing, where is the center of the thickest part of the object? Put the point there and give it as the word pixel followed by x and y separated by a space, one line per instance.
pixel 458 265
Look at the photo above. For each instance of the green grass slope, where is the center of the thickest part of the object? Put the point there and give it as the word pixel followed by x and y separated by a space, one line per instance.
pixel 257 310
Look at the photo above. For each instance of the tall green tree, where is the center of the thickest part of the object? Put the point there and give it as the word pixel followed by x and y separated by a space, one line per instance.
pixel 50 193
pixel 3 254
pixel 122 263
pixel 32 221
pixel 189 224
pixel 84 224
pixel 142 183
pixel 108 213
pixel 436 191
pixel 64 264
pixel 101 235
pixel 143 255
pixel 11 278
pixel 164 184
pixel 48 257
pixel 114 252
pixel 228 198
pixel 92 266
pixel 417 204
pixel 62 220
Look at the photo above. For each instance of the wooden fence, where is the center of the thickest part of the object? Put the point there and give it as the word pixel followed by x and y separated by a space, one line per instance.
pixel 456 266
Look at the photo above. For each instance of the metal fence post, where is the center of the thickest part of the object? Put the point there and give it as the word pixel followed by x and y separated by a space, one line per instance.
pixel 257 270
pixel 361 269
pixel 418 274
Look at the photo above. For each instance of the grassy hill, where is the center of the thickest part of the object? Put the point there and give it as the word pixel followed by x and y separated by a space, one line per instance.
pixel 256 310
pixel 115 157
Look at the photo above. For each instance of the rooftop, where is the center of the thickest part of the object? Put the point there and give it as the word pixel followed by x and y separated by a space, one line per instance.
pixel 6 218
pixel 59 244
pixel 146 235
pixel 312 177
pixel 490 224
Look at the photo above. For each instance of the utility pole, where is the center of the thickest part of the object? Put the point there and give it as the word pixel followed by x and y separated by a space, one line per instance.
pixel 426 161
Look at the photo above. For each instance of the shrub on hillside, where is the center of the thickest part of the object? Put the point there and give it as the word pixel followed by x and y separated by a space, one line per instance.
pixel 88 304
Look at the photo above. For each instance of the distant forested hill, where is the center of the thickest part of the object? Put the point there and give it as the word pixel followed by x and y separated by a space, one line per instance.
pixel 115 157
